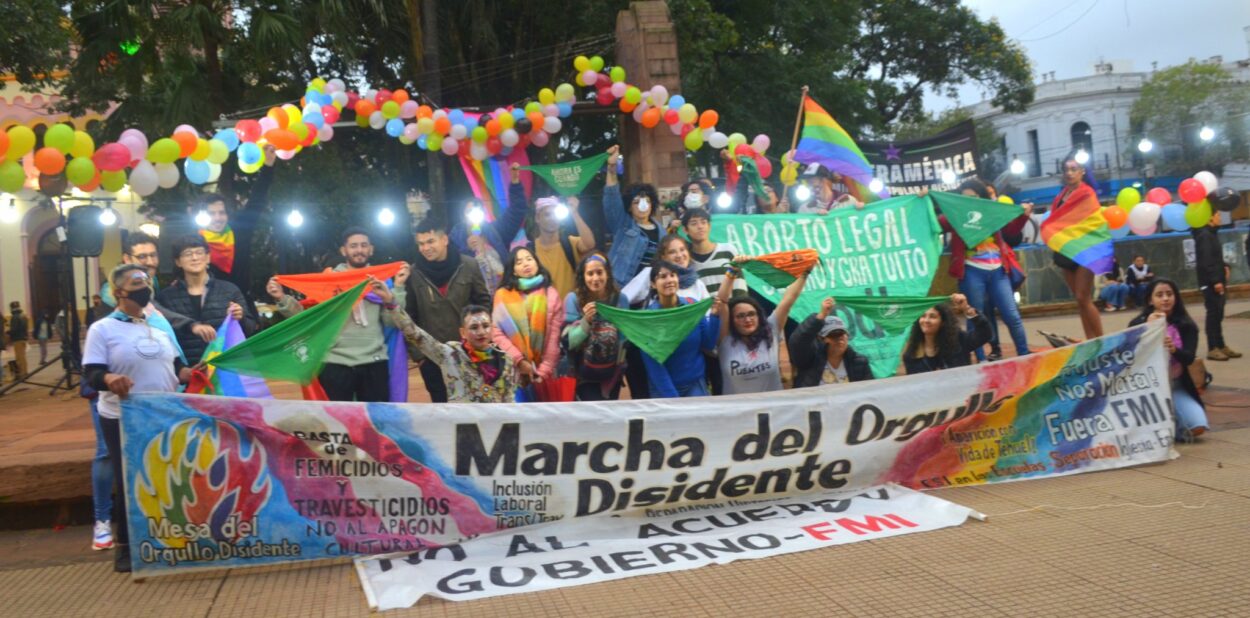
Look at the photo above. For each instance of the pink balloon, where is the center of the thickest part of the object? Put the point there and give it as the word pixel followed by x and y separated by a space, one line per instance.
pixel 325 133
pixel 408 109
pixel 450 147
pixel 411 131
pixel 137 146
pixel 765 166
pixel 187 129
pixel 639 111
pixel 285 155
pixel 760 143
pixel 551 109
pixel 677 128
pixel 590 78
pixel 267 124
pixel 1158 195
pixel 539 138
pixel 618 89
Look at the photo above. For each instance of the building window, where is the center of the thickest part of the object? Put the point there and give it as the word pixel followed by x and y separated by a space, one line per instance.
pixel 1083 138
pixel 1035 150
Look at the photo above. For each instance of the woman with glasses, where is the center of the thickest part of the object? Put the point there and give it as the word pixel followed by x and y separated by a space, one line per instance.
pixel 124 353
pixel 749 343
pixel 201 297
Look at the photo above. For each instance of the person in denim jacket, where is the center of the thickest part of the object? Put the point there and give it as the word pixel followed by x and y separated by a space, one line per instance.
pixel 632 222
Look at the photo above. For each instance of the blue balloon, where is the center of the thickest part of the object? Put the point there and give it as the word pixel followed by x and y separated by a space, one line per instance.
pixel 229 138
pixel 566 109
pixel 196 171
pixel 470 123
pixel 456 116
pixel 676 101
pixel 1120 232
pixel 250 153
pixel 519 113
pixel 394 127
pixel 314 118
pixel 1174 217
pixel 421 142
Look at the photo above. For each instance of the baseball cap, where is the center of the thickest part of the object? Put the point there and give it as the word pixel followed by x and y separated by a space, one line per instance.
pixel 832 324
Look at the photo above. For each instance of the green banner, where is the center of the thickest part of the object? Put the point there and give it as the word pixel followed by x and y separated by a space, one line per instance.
pixel 571 177
pixel 889 248
pixel 973 218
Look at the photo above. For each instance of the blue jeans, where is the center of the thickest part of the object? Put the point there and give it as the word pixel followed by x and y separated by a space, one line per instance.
pixel 988 289
pixel 1139 293
pixel 1189 413
pixel 698 388
pixel 1114 294
pixel 101 472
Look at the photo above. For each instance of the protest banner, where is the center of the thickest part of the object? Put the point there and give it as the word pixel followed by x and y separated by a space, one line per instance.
pixel 889 248
pixel 573 552
pixel 912 167
pixel 227 482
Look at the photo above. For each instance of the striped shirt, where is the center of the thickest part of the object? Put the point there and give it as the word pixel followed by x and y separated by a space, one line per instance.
pixel 712 266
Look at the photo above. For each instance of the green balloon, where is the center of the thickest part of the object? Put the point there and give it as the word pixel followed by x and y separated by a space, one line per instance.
pixel 165 150
pixel 113 181
pixel 80 171
pixel 12 177
pixel 480 135
pixel 60 137
pixel 533 106
pixel 1198 214
pixel 596 63
pixel 617 74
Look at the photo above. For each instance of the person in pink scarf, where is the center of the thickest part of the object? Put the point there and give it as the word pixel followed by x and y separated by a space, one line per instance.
pixel 528 317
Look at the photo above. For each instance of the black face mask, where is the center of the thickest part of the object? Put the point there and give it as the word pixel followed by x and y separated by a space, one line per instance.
pixel 140 297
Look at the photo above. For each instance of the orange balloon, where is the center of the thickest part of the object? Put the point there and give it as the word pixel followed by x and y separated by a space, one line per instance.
pixel 442 126
pixel 49 161
pixel 187 141
pixel 93 185
pixel 492 127
pixel 282 139
pixel 1115 216
pixel 365 108
pixel 651 117
pixel 4 144
pixel 536 119
pixel 279 116
pixel 399 96
pixel 626 106
pixel 425 111
pixel 708 119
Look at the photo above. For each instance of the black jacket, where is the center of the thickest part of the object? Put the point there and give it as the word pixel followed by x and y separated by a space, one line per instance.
pixel 211 310
pixel 807 356
pixel 1185 354
pixel 1209 254
pixel 18 326
pixel 947 359
pixel 439 314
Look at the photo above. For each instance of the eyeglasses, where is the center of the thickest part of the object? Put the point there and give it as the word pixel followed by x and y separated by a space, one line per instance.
pixel 193 254
pixel 743 316
pixel 145 256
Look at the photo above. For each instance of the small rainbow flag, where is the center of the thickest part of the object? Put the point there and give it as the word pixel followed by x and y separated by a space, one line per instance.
pixel 824 141
pixel 1077 230
pixel 214 381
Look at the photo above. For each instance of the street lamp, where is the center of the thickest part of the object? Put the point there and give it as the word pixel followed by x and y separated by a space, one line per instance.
pixel 948 177
pixel 875 185
pixel 724 200
pixel 1145 145
pixel 1017 167
pixel 386 216
pixel 202 219
pixel 1081 156
pixel 294 218
pixel 1206 134
pixel 108 217
pixel 802 193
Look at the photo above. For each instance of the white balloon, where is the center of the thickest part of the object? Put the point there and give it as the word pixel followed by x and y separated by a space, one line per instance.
pixel 214 172
pixel 478 151
pixel 143 180
pixel 659 94
pixel 439 113
pixel 325 133
pixel 718 140
pixel 509 137
pixel 335 85
pixel 551 124
pixel 450 147
pixel 1208 180
pixel 377 120
pixel 340 98
pixel 458 132
pixel 1144 216
pixel 167 175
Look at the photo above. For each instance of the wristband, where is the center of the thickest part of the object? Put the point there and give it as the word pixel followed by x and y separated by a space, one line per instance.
pixel 390 306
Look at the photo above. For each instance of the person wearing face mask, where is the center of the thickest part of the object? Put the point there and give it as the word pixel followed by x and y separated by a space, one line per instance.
pixel 820 351
pixel 560 255
pixel 937 342
pixel 632 222
pixel 595 346
pixel 474 370
pixel 124 354
pixel 695 194
pixel 357 367
pixel 528 317
pixel 201 297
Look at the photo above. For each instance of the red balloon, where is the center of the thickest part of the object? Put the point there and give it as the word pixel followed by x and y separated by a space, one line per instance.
pixel 493 145
pixel 671 117
pixel 764 166
pixel 248 130
pixel 330 113
pixel 744 150
pixel 604 97
pixel 111 157
pixel 1159 195
pixel 604 80
pixel 383 96
pixel 312 135
pixel 1192 191
pixel 352 97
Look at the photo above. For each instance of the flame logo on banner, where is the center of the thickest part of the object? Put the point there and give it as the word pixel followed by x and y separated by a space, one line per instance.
pixel 202 477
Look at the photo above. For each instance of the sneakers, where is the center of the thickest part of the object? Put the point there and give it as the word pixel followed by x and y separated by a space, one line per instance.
pixel 1217 354
pixel 103 537
pixel 1231 353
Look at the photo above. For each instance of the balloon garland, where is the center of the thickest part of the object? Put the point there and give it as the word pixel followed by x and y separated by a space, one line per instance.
pixel 1200 197
pixel 290 129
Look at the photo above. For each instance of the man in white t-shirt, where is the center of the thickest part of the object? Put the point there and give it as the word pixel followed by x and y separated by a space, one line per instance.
pixel 124 353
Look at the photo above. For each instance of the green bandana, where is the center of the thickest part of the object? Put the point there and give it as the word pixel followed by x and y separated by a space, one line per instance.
pixel 571 177
pixel 295 348
pixel 657 332
pixel 751 174
pixel 973 218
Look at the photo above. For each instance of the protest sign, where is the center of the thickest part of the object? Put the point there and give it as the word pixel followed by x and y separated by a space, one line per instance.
pixel 572 553
pixel 889 248
pixel 916 166
pixel 227 482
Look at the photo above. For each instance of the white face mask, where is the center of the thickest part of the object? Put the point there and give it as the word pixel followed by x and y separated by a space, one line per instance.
pixel 644 205
pixel 694 200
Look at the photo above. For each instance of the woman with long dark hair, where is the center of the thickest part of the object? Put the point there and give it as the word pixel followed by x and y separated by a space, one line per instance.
pixel 750 338
pixel 1163 302
pixel 937 342
pixel 527 316
pixel 1077 192
pixel 595 346
pixel 683 374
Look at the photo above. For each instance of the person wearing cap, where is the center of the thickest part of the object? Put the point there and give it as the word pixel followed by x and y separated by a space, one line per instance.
pixel 820 351
pixel 823 197
pixel 561 255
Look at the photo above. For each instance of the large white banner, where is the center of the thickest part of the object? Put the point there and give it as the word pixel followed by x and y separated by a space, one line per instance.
pixel 573 552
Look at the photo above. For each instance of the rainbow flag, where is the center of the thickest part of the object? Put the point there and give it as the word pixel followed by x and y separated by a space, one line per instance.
pixel 489 179
pixel 1077 230
pixel 214 381
pixel 824 141
pixel 220 248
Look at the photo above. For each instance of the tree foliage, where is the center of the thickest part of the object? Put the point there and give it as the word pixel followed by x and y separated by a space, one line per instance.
pixel 1177 102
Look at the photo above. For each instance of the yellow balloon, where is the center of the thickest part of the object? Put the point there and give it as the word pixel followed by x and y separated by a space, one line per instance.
pixel 83 146
pixel 546 96
pixel 293 114
pixel 218 152
pixel 1005 199
pixel 507 121
pixel 202 150
pixel 789 174
pixel 21 142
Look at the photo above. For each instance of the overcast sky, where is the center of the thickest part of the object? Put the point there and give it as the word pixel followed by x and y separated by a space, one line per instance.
pixel 1069 36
